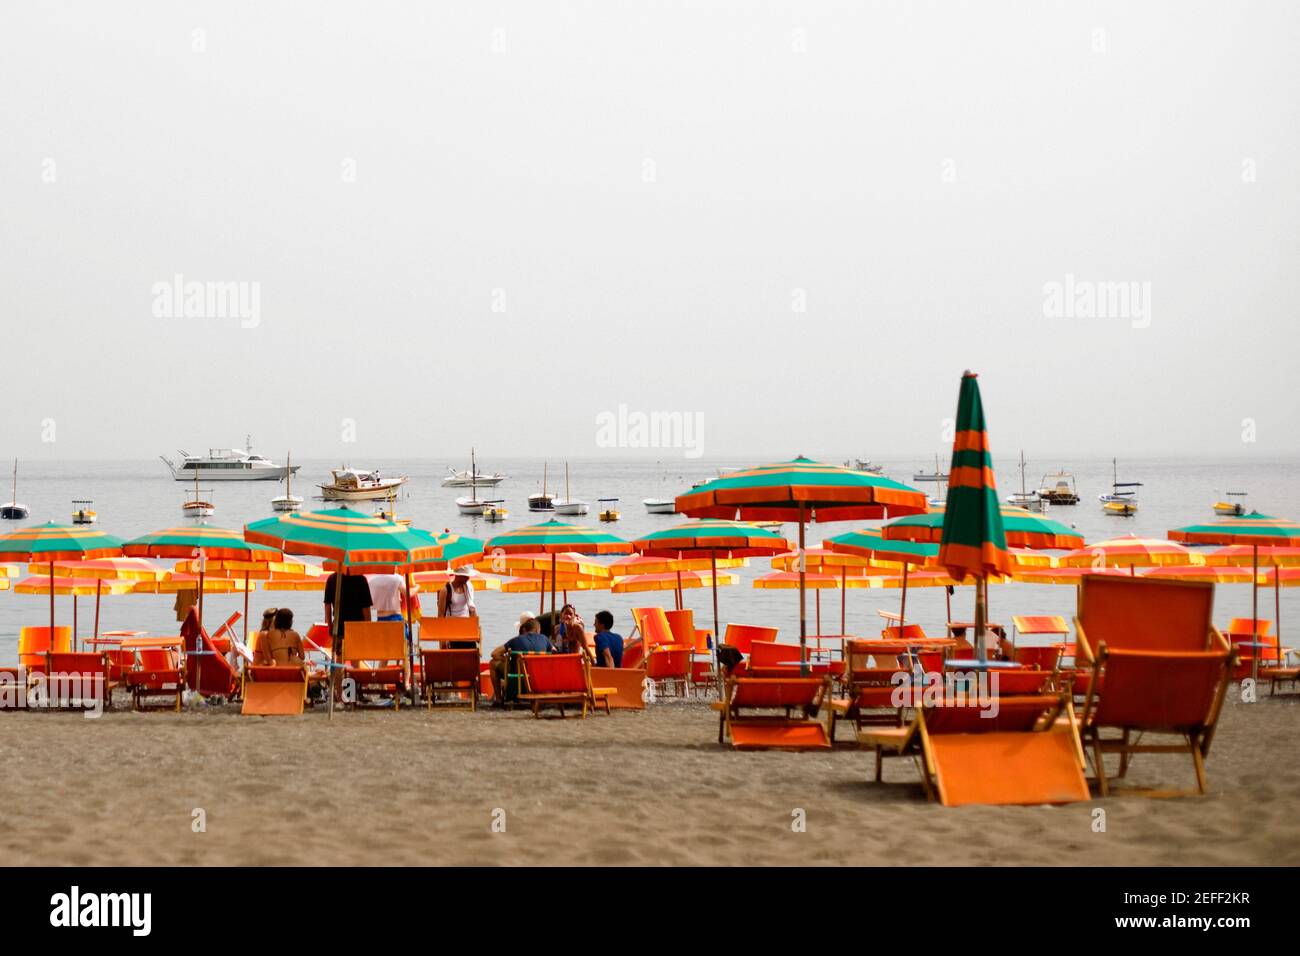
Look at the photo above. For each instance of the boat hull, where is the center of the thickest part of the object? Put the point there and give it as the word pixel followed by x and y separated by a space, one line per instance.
pixel 571 507
pixel 657 506
pixel 276 473
pixel 13 512
pixel 465 481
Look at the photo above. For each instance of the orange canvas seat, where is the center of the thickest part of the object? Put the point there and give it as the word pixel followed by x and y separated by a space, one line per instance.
pixel 1156 667
pixel 1250 638
pixel 782 731
pixel 560 680
pixel 207 671
pixel 666 660
pixel 374 655
pixel 454 672
pixel 908 632
pixel 974 752
pixel 1046 657
pixel 156 671
pixel 274 690
pixel 448 631
pixel 743 636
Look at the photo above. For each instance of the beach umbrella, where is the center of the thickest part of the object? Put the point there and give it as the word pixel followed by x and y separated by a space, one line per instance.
pixel 554 538
pixel 827 561
pixel 125 569
pixel 1254 530
pixel 637 565
pixel 715 539
pixel 1021 528
pixel 349 541
pixel 74 587
pixel 249 571
pixel 200 541
pixel 1214 574
pixel 567 571
pixel 801 490
pixel 676 581
pixel 973 543
pixel 1130 551
pixel 815 581
pixel 50 544
pixel 871 544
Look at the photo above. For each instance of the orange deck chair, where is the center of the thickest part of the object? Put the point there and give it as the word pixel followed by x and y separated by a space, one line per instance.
pixel 223 635
pixel 207 671
pixel 270 690
pixel 449 661
pixel 1157 666
pixel 374 656
pixel 767 731
pixel 82 671
pixel 560 680
pixel 872 671
pixel 34 643
pixel 969 753
pixel 667 662
pixel 1241 634
pixel 157 670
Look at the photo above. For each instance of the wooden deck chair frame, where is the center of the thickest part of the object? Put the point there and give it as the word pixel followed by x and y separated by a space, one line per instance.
pixel 449 669
pixel 581 693
pixel 370 643
pixel 1198 652
pixel 70 662
pixel 149 678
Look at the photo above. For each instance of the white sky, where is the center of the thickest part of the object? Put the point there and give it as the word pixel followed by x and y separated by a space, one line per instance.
pixel 1108 156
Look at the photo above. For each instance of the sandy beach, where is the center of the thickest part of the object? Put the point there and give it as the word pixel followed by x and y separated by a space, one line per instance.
pixel 629 789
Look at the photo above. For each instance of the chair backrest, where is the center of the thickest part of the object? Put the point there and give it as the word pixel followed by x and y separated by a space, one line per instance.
pixel 776 692
pixel 33 642
pixel 555 673
pixel 1161 690
pixel 374 641
pixel 1041 658
pixel 767 653
pixel 1246 627
pixel 1142 614
pixel 908 632
pixel 666 662
pixel 869 655
pixel 228 627
pixel 975 716
pixel 83 662
pixel 449 666
pixel 682 624
pixel 444 629
pixel 743 636
pixel 1040 624
pixel 653 624
pixel 1017 682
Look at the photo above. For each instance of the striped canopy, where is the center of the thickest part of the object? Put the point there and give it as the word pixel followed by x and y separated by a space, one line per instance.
pixel 175 581
pixel 40 584
pixel 539 565
pixel 800 489
pixel 700 539
pixel 1285 557
pixel 1021 528
pixel 825 560
pixel 972 540
pixel 52 542
pixel 1251 529
pixel 1215 574
pixel 284 567
pixel 1060 575
pixel 341 535
pixel 554 537
pixel 871 544
pixel 1280 577
pixel 457 550
pixel 655 564
pixel 127 569
pixel 1130 551
pixel 184 542
pixel 562 583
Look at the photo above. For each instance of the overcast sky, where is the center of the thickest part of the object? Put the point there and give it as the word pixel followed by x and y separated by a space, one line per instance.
pixel 490 222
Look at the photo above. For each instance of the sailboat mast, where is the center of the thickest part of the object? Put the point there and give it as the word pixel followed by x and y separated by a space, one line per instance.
pixel 473 476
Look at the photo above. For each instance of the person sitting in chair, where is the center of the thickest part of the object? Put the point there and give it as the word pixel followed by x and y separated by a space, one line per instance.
pixel 529 640
pixel 280 644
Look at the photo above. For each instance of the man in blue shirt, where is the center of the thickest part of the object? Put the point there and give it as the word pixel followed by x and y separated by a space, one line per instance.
pixel 609 646
pixel 530 639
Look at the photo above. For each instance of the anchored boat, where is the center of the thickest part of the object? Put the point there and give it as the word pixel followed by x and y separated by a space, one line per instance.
pixel 541 500
pixel 349 484
pixel 1058 489
pixel 12 510
pixel 1120 503
pixel 608 509
pixel 568 505
pixel 82 513
pixel 1029 500
pixel 660 506
pixel 227 464
pixel 287 501
pixel 1231 509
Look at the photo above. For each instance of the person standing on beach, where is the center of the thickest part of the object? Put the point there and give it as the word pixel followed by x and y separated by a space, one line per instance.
pixel 387 593
pixel 609 646
pixel 457 598
pixel 354 606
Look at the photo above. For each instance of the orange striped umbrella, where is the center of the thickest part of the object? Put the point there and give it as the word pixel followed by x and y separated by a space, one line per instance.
pixel 1130 551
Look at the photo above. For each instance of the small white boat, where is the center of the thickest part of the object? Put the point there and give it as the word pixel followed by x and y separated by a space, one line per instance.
pixel 1029 500
pixel 660 506
pixel 82 513
pixel 349 484
pixel 568 505
pixel 198 508
pixel 472 478
pixel 471 506
pixel 864 465
pixel 11 510
pixel 608 509
pixel 540 500
pixel 1231 509
pixel 287 501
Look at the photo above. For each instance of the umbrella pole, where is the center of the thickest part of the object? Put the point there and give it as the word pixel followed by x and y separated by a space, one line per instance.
pixel 817 599
pixel 1277 611
pixel 245 608
pixel 1254 612
pixel 73 643
pixel 844 597
pixel 410 636
pixel 902 606
pixel 713 580
pixel 99 588
pixel 336 631
pixel 679 590
pixel 803 599
pixel 50 645
pixel 980 614
pixel 541 600
pixel 554 629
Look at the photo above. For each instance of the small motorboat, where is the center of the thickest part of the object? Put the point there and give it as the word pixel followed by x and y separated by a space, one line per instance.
pixel 608 509
pixel 1060 491
pixel 936 475
pixel 495 511
pixel 1119 503
pixel 1029 500
pixel 472 478
pixel 82 513
pixel 287 501
pixel 660 506
pixel 773 526
pixel 387 514
pixel 1231 509
pixel 349 484
pixel 11 510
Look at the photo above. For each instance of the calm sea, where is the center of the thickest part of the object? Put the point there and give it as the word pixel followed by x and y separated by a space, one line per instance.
pixel 135 497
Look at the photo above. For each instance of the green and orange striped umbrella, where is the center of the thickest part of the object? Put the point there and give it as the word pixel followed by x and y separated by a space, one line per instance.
pixel 973 543
pixel 1021 528
pixel 712 538
pixel 51 543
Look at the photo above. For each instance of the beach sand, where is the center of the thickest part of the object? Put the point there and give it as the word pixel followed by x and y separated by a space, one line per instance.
pixel 631 788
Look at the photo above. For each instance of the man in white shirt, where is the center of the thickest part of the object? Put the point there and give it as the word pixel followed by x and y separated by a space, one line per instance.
pixel 387 592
